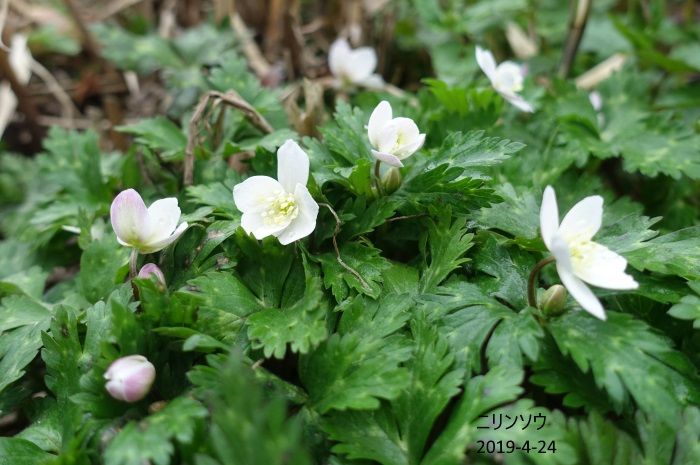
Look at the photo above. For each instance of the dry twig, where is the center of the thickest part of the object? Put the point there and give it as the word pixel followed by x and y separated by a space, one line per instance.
pixel 342 263
pixel 579 17
pixel 231 98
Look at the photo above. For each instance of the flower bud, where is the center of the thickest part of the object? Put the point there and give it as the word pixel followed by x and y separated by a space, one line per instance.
pixel 553 300
pixel 391 180
pixel 150 270
pixel 130 378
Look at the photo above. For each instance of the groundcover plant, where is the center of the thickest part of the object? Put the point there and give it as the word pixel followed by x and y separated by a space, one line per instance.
pixel 413 232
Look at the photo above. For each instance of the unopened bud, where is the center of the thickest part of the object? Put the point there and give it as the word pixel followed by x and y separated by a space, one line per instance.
pixel 130 378
pixel 150 270
pixel 553 300
pixel 391 180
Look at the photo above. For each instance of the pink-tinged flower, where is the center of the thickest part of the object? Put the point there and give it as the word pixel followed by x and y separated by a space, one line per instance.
pixel 281 207
pixel 392 139
pixel 150 270
pixel 507 78
pixel 149 229
pixel 353 66
pixel 130 378
pixel 580 260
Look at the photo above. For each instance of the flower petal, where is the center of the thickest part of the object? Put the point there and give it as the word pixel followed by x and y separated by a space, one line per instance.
pixel 292 166
pixel 549 216
pixel 518 102
pixel 373 81
pixel 486 62
pixel 305 223
pixel 408 134
pixel 338 55
pixel 584 219
pixel 387 137
pixel 579 291
pixel 387 158
pixel 252 194
pixel 129 217
pixel 604 268
pixel 361 64
pixel 163 216
pixel 509 77
pixel 380 116
pixel 155 246
pixel 409 149
pixel 253 223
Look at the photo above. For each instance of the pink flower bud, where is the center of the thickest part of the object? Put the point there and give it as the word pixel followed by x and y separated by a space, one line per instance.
pixel 150 270
pixel 130 378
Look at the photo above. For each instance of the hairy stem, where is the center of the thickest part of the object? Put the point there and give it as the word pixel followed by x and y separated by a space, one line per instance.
pixel 378 178
pixel 133 260
pixel 532 281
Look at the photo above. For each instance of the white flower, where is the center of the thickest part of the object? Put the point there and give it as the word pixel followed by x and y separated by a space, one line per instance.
pixel 392 139
pixel 130 378
pixel 597 103
pixel 149 229
pixel 284 207
pixel 20 60
pixel 578 258
pixel 506 78
pixel 353 66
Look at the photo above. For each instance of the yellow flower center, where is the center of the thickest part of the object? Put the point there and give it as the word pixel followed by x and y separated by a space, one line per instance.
pixel 581 249
pixel 281 208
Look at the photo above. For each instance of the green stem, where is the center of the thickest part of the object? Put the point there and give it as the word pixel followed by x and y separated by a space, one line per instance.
pixel 532 281
pixel 133 261
pixel 378 178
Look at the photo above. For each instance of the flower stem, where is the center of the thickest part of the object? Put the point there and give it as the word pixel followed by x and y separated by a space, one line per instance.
pixel 133 259
pixel 378 178
pixel 532 281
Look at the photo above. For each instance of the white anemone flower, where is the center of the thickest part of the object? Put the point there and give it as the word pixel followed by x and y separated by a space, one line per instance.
pixel 147 230
pixel 20 60
pixel 353 66
pixel 392 139
pixel 579 260
pixel 281 207
pixel 506 78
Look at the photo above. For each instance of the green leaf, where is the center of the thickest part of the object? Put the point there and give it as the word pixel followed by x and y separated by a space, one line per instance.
pixel 160 135
pixel 689 306
pixel 224 302
pixel 507 269
pixel 517 215
pixel 627 359
pixel 361 257
pixel 557 375
pixel 446 242
pixel 397 433
pixel 599 441
pixel 677 253
pixel 22 320
pixel 359 365
pixel 242 414
pixel 466 317
pixel 517 337
pixel 300 325
pixel 217 195
pixel 472 151
pixel 103 266
pixel 15 451
pixel 30 282
pixel 481 394
pixel 152 440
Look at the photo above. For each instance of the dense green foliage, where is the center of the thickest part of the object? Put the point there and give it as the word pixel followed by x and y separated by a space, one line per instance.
pixel 268 354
